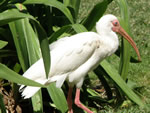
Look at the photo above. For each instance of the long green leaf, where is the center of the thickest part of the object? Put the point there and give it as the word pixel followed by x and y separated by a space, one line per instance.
pixel 125 54
pixel 112 72
pixel 53 3
pixel 20 43
pixel 58 98
pixel 8 74
pixel 31 40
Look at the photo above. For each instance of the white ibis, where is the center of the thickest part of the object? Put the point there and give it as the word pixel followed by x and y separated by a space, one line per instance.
pixel 73 57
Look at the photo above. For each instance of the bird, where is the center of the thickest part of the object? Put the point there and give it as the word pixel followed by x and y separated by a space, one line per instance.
pixel 73 57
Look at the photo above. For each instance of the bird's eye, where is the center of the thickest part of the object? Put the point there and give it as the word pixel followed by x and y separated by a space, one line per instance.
pixel 115 23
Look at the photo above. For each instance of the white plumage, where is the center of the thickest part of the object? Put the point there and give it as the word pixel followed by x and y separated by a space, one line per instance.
pixel 73 57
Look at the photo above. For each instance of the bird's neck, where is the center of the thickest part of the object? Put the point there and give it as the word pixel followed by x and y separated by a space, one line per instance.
pixel 110 41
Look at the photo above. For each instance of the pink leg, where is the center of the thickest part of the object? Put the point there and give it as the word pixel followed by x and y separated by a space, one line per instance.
pixel 69 100
pixel 78 103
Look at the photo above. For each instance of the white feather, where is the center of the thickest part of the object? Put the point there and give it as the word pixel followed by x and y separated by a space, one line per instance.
pixel 29 91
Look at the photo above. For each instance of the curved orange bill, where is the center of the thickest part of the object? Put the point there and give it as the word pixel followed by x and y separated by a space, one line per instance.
pixel 129 39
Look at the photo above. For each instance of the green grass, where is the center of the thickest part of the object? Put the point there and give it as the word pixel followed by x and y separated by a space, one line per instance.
pixel 140 30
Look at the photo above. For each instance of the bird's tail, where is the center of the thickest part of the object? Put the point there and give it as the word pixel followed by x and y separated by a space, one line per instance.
pixel 29 91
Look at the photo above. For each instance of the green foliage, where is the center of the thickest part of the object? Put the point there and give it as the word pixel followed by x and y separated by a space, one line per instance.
pixel 25 38
pixel 125 55
pixel 58 98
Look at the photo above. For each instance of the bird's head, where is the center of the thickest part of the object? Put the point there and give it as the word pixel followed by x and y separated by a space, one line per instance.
pixel 110 24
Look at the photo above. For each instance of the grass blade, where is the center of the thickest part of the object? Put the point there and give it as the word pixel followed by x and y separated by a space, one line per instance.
pixel 125 54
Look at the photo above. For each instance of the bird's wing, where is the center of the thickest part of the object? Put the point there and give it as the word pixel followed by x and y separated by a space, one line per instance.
pixel 71 52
